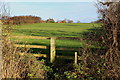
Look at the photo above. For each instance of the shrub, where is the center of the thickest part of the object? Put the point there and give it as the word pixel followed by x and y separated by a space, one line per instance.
pixel 16 65
pixel 90 67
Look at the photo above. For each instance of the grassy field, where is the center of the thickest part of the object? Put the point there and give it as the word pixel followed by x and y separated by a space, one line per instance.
pixel 53 30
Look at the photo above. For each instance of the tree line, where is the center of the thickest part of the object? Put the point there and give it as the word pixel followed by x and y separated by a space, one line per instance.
pixel 17 20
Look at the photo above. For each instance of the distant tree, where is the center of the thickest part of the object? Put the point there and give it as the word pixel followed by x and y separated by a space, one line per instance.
pixel 69 21
pixel 42 21
pixel 24 19
pixel 63 21
pixel 98 21
pixel 78 21
pixel 50 20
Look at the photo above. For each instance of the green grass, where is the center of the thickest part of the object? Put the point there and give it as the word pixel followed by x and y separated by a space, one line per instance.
pixel 59 43
pixel 53 30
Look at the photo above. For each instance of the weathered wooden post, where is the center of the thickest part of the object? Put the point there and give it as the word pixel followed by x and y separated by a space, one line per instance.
pixel 52 49
pixel 76 58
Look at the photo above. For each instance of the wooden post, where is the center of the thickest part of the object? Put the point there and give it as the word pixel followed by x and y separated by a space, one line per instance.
pixel 76 58
pixel 52 49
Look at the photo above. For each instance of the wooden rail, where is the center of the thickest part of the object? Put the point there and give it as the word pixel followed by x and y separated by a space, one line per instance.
pixel 31 37
pixel 45 55
pixel 52 46
pixel 31 46
pixel 43 47
pixel 70 49
pixel 36 55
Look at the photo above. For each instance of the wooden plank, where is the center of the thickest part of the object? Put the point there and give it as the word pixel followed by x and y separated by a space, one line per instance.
pixel 45 55
pixel 31 46
pixel 31 37
pixel 66 48
pixel 40 55
pixel 43 47
pixel 65 57
pixel 36 55
pixel 52 49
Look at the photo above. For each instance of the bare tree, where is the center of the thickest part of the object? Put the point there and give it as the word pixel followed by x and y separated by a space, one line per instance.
pixel 109 11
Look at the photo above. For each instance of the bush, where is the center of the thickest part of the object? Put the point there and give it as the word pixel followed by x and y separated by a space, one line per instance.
pixel 93 66
pixel 90 67
pixel 16 65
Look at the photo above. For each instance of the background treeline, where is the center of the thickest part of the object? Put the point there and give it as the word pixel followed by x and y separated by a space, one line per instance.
pixel 31 19
pixel 22 20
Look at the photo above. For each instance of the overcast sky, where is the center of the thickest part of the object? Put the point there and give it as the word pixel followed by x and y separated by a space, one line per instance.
pixel 50 0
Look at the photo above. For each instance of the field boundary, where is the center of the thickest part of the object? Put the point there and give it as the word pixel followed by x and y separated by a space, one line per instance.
pixel 52 46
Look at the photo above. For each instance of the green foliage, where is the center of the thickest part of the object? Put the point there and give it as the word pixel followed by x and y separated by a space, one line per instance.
pixel 59 67
pixel 70 76
pixel 25 66
pixel 91 66
pixel 32 68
